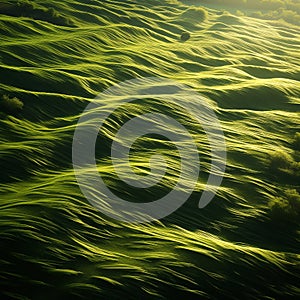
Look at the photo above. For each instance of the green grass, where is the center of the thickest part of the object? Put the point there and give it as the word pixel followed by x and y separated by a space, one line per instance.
pixel 286 208
pixel 56 56
pixel 11 105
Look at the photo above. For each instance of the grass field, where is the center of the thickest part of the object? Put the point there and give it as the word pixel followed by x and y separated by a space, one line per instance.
pixel 55 58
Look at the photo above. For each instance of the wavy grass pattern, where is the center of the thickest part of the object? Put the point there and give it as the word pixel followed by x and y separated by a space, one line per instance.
pixel 56 56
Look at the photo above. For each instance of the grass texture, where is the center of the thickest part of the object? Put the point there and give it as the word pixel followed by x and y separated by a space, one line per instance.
pixel 56 56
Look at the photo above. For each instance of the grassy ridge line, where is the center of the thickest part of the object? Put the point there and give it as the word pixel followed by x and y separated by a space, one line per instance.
pixel 287 10
pixel 94 47
pixel 34 11
pixel 174 253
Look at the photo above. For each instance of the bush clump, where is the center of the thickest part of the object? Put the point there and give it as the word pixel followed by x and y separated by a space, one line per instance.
pixel 284 165
pixel 280 161
pixel 285 208
pixel 11 105
pixel 185 36
pixel 296 142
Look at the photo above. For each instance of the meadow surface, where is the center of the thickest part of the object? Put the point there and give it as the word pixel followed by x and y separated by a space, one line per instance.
pixel 55 58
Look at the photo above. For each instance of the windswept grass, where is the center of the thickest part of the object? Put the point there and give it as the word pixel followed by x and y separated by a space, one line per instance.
pixel 296 141
pixel 30 9
pixel 282 162
pixel 286 208
pixel 287 10
pixel 11 105
pixel 56 56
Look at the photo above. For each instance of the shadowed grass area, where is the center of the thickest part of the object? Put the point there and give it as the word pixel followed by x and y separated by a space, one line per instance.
pixel 286 208
pixel 56 56
pixel 11 105
pixel 296 142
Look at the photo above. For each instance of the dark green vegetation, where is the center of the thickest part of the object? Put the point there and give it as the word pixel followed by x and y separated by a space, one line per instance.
pixel 185 36
pixel 56 56
pixel 10 105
